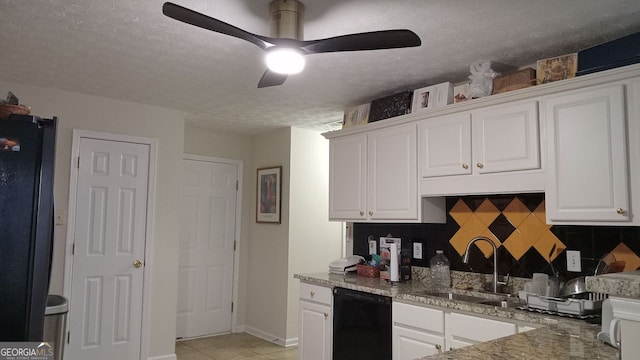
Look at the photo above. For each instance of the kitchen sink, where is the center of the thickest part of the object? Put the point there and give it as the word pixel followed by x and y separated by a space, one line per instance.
pixel 499 303
pixel 454 296
pixel 484 299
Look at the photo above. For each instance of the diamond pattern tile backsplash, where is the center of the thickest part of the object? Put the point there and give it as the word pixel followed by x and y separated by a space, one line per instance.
pixel 516 225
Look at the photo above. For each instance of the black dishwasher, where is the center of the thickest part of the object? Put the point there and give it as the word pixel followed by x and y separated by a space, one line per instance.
pixel 361 325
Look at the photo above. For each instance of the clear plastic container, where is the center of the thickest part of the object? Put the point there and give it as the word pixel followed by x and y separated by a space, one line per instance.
pixel 440 273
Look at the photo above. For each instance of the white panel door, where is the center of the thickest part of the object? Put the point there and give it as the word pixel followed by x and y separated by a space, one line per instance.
pixel 110 231
pixel 205 275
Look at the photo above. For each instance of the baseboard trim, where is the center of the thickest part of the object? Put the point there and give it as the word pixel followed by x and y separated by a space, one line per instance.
pixel 270 337
pixel 164 357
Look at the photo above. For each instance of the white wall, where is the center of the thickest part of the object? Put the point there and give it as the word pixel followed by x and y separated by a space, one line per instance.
pixel 207 142
pixel 269 246
pixel 79 111
pixel 313 240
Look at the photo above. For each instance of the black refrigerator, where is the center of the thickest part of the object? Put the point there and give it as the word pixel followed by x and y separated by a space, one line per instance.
pixel 27 153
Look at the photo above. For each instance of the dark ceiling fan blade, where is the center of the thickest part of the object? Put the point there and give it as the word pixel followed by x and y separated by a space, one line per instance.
pixel 270 78
pixel 203 21
pixel 375 40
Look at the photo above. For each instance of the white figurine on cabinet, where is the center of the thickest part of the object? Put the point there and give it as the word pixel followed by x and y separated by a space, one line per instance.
pixel 481 79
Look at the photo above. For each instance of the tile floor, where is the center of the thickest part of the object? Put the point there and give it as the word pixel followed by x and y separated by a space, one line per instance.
pixel 238 346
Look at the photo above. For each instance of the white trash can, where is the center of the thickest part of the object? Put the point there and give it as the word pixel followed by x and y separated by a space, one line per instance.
pixel 55 324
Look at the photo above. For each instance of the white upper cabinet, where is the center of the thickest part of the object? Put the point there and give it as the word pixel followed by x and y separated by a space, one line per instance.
pixel 347 177
pixel 588 172
pixel 444 145
pixel 506 138
pixel 501 141
pixel 373 176
pixel 576 140
pixel 392 174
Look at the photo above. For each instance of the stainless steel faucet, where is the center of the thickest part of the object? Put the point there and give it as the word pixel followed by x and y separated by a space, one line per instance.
pixel 465 259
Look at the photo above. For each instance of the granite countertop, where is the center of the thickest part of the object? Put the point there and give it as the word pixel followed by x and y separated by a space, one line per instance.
pixel 564 340
pixel 624 284
pixel 557 338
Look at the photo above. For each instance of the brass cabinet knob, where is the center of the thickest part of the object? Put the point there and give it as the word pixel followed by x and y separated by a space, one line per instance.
pixel 620 211
pixel 325 315
pixel 313 294
pixel 465 166
pixel 439 348
pixel 479 165
pixel 361 213
pixel 137 264
pixel 370 212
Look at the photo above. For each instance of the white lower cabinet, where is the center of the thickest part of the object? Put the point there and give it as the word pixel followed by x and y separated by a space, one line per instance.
pixel 417 331
pixel 525 328
pixel 315 326
pixel 420 331
pixel 464 329
pixel 453 343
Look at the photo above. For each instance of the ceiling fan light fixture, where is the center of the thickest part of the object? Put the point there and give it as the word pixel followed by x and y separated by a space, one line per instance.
pixel 284 60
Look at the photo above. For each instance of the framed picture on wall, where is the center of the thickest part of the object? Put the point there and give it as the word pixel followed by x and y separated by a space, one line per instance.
pixel 269 195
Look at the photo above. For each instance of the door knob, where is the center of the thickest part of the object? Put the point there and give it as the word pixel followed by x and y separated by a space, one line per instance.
pixel 137 264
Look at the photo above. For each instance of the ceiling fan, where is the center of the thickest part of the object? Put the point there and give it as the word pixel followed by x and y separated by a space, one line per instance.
pixel 285 48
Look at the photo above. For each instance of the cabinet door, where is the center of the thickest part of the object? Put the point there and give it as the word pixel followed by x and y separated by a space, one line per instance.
pixel 464 328
pixel 417 331
pixel 347 177
pixel 392 180
pixel 506 138
pixel 453 344
pixel 314 331
pixel 587 176
pixel 444 146
pixel 409 344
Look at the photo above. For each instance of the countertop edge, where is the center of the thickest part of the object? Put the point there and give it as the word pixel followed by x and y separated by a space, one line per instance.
pixel 625 284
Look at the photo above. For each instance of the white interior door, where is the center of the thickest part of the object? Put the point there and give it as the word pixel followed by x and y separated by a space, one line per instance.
pixel 208 229
pixel 105 318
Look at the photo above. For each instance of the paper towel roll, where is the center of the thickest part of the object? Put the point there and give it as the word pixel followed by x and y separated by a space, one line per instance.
pixel 394 263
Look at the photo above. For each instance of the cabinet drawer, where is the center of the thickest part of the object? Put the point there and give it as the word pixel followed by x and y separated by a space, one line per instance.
pixel 418 317
pixel 319 294
pixel 479 329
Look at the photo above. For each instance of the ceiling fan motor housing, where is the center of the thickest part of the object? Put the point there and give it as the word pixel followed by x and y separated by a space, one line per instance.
pixel 287 19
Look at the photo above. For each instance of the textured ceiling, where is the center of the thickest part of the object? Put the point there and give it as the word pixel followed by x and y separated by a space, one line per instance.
pixel 128 50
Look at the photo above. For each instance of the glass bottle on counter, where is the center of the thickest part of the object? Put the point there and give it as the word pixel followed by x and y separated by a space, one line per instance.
pixel 440 273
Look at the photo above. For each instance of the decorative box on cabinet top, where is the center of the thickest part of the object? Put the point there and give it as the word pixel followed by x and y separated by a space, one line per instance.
pixel 514 81
pixel 390 106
